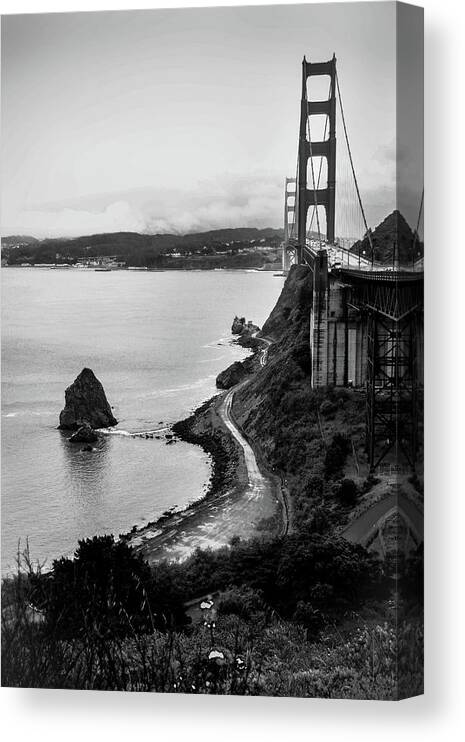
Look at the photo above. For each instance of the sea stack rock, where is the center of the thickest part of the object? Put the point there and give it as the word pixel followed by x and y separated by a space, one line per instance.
pixel 86 403
pixel 238 325
pixel 246 331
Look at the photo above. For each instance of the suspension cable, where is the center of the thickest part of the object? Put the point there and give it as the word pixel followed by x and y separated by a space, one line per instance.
pixel 416 235
pixel 368 233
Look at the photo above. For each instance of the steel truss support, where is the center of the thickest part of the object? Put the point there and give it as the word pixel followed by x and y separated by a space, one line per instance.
pixel 392 388
pixel 392 311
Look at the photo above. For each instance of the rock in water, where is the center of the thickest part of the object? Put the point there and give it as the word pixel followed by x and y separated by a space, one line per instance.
pixel 86 403
pixel 237 325
pixel 84 434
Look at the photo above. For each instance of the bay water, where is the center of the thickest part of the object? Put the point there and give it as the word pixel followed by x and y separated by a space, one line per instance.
pixel 156 341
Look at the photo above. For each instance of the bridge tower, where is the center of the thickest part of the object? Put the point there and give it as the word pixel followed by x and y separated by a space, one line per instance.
pixel 290 197
pixel 308 149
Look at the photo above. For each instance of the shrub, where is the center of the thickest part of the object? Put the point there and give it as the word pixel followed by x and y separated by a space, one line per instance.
pixel 242 602
pixel 328 408
pixel 107 588
pixel 348 492
pixel 309 617
pixel 336 455
pixel 315 486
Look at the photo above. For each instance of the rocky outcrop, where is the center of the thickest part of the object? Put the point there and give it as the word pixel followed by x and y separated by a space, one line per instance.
pixel 247 340
pixel 86 403
pixel 237 325
pixel 246 331
pixel 231 376
pixel 84 434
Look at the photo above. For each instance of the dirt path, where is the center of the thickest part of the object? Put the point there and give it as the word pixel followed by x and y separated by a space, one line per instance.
pixel 258 485
pixel 236 512
pixel 264 352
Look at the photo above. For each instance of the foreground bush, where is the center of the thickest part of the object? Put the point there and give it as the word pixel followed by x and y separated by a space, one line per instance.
pixel 106 588
pixel 105 620
pixel 266 656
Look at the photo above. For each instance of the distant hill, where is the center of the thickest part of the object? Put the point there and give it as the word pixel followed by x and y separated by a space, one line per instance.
pixel 14 240
pixel 133 247
pixel 393 230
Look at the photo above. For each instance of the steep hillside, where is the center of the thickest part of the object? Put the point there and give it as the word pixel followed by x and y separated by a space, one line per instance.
pixel 291 313
pixel 392 230
pixel 308 435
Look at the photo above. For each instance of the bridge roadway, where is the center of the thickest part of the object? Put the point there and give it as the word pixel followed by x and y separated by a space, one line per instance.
pixel 341 259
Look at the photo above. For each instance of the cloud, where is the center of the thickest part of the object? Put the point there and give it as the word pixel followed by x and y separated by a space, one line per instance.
pixel 255 200
pixel 230 202
pixel 116 217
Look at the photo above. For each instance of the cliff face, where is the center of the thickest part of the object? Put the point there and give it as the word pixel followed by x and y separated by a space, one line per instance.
pixel 259 405
pixel 291 314
pixel 86 402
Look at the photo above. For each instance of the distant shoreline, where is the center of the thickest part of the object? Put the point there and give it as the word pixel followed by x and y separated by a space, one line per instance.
pixel 266 268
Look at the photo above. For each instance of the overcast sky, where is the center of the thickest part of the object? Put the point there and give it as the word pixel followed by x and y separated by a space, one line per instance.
pixel 184 120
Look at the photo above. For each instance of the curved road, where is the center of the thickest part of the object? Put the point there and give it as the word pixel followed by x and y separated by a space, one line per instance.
pixel 259 486
pixel 264 351
pixel 237 511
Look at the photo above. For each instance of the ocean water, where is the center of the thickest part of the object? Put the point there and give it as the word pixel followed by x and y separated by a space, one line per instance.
pixel 156 341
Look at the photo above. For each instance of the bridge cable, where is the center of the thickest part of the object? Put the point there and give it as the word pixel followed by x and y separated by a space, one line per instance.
pixel 368 233
pixel 416 235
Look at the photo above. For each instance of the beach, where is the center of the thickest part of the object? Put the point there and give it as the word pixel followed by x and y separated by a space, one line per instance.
pixel 243 499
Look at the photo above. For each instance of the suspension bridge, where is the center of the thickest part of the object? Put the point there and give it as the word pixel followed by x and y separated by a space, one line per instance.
pixel 366 323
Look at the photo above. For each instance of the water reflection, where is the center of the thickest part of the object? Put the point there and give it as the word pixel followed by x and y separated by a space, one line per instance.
pixel 85 476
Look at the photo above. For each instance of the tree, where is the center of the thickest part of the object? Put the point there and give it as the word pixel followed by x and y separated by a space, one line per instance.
pixel 348 493
pixel 106 589
pixel 336 455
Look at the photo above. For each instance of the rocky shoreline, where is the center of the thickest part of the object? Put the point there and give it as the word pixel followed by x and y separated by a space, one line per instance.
pixel 177 533
pixel 160 539
pixel 224 457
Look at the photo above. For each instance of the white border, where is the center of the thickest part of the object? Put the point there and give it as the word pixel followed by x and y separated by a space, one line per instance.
pixel 71 715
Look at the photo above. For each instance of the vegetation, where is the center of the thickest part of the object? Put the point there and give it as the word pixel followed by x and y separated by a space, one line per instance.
pixel 270 633
pixel 308 435
pixel 153 251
